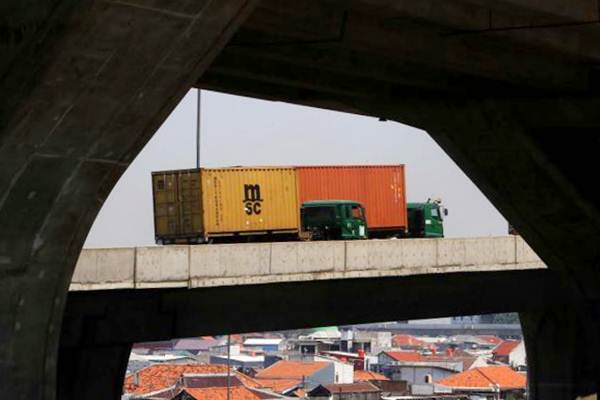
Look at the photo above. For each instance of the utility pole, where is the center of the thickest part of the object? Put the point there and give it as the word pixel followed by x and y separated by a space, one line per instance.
pixel 228 363
pixel 198 109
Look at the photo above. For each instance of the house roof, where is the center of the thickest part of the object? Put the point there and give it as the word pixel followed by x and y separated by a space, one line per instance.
pixel 248 381
pixel 300 393
pixel 359 387
pixel 194 344
pixel 220 393
pixel 485 378
pixel 362 375
pixel 405 356
pixel 407 340
pixel 505 348
pixel 285 369
pixel 276 385
pixel 279 385
pixel 491 339
pixel 161 376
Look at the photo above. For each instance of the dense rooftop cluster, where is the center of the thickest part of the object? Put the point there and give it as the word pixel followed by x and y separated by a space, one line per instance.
pixel 328 362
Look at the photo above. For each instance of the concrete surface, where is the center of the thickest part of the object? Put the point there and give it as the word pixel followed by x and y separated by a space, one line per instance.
pixel 196 266
pixel 84 86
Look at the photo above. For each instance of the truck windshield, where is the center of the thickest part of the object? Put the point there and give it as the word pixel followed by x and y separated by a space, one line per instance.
pixel 319 214
pixel 357 212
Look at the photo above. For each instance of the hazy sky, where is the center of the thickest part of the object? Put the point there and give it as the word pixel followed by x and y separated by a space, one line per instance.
pixel 242 131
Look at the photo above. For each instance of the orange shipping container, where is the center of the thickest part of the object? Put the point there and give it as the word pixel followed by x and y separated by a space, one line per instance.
pixel 380 188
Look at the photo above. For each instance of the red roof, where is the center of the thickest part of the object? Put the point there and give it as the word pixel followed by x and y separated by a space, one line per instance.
pixel 485 378
pixel 248 381
pixel 362 375
pixel 405 356
pixel 291 369
pixel 407 340
pixel 491 339
pixel 505 348
pixel 278 385
pixel 220 393
pixel 161 376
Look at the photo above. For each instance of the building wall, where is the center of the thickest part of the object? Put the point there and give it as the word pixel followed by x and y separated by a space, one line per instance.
pixel 384 360
pixel 357 396
pixel 324 376
pixel 344 372
pixel 413 374
pixel 335 372
pixel 518 357
pixel 349 396
pixel 267 348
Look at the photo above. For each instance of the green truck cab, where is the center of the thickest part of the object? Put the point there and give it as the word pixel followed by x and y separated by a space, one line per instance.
pixel 426 220
pixel 333 220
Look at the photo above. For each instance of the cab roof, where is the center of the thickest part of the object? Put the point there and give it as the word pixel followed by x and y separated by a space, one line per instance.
pixel 316 203
pixel 422 205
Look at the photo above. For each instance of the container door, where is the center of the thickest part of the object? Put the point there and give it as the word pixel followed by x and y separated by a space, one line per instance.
pixel 190 212
pixel 166 207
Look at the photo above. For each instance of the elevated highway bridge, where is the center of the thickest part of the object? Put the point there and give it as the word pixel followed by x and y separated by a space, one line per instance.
pixel 508 88
pixel 200 266
pixel 124 295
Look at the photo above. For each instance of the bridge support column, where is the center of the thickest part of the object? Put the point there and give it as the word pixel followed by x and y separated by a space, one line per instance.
pixel 92 373
pixel 562 352
pixel 87 84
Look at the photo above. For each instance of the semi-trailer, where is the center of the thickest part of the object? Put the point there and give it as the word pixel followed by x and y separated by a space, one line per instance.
pixel 241 204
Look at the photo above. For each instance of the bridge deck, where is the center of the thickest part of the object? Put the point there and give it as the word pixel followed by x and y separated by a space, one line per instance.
pixel 259 263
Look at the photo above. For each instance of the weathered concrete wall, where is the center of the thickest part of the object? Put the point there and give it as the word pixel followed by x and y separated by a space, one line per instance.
pixel 84 86
pixel 246 264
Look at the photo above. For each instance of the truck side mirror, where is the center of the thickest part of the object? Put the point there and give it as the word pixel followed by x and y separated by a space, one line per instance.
pixel 445 211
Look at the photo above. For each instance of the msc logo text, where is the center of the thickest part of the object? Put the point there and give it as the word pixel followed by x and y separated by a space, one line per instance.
pixel 252 200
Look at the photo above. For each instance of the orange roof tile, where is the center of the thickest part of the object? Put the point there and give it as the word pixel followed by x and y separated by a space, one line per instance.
pixel 285 369
pixel 407 340
pixel 485 377
pixel 405 356
pixel 161 376
pixel 279 385
pixel 247 380
pixel 220 393
pixel 505 348
pixel 361 376
pixel 491 339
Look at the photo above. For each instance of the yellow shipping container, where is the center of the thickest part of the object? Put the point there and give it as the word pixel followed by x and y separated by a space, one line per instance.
pixel 200 204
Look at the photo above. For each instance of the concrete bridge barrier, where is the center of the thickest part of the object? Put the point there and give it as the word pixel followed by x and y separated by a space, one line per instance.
pixel 259 263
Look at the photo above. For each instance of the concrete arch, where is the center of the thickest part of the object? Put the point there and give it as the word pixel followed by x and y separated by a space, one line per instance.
pixel 86 86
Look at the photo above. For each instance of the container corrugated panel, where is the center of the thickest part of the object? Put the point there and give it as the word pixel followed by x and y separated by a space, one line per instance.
pixel 380 188
pixel 177 203
pixel 241 200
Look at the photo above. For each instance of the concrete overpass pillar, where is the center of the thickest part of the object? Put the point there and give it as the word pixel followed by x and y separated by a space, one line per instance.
pixel 562 352
pixel 527 155
pixel 92 372
pixel 85 85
